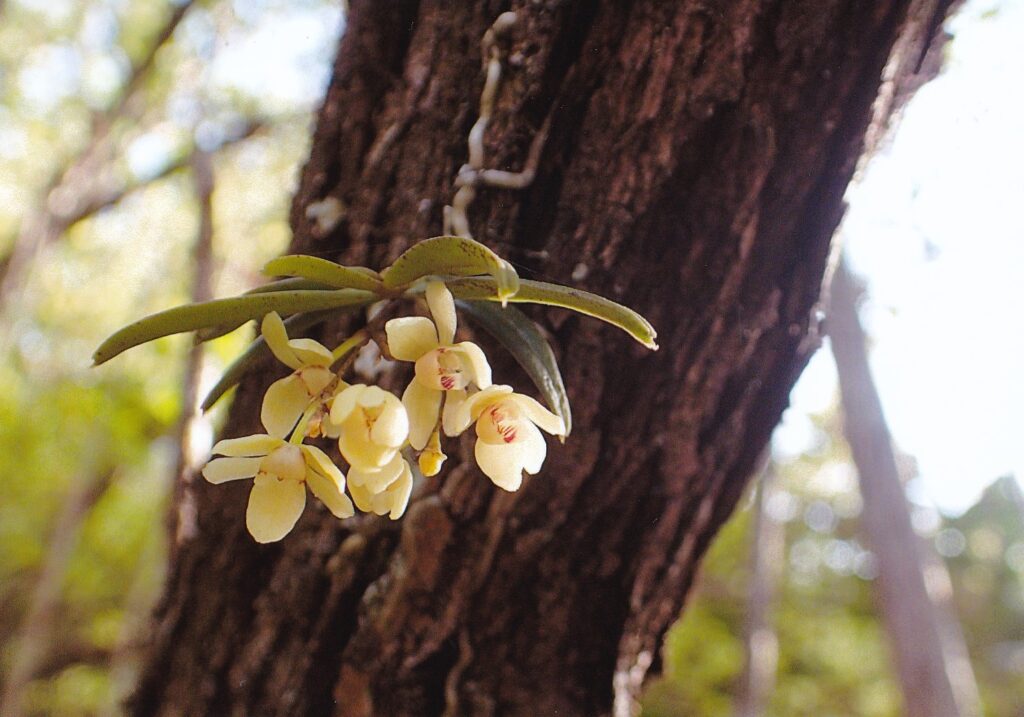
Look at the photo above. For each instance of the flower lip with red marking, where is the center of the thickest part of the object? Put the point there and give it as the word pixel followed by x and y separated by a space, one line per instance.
pixel 442 367
pixel 508 426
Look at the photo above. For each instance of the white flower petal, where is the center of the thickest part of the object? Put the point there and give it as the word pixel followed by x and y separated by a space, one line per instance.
pixel 392 426
pixel 540 415
pixel 375 396
pixel 442 308
pixel 471 409
pixel 257 445
pixel 274 508
pixel 501 462
pixel 315 379
pixel 375 481
pixel 330 494
pixel 422 405
pixel 410 337
pixel 285 462
pixel 311 353
pixel 346 402
pixel 452 419
pixel 475 363
pixel 398 493
pixel 362 497
pixel 319 461
pixel 276 336
pixel 283 404
pixel 362 454
pixel 221 470
pixel 533 448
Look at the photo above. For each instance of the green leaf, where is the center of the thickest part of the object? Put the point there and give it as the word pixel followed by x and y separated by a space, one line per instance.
pixel 215 332
pixel 291 284
pixel 326 272
pixel 540 292
pixel 257 351
pixel 520 336
pixel 452 256
pixel 220 312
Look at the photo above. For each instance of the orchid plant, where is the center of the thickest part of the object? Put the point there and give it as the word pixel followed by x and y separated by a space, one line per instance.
pixel 379 436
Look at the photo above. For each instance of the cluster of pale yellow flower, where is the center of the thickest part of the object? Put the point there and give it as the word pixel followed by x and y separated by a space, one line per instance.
pixel 450 390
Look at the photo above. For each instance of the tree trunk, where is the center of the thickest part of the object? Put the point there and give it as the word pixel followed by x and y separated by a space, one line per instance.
pixel 760 642
pixel 694 166
pixel 934 672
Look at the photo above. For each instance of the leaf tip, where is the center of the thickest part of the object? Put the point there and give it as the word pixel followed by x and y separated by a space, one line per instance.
pixel 211 399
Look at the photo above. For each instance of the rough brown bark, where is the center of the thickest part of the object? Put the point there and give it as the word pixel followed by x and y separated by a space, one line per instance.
pixel 694 169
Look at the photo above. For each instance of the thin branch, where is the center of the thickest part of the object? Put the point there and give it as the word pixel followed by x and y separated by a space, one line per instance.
pixel 112 195
pixel 42 225
pixel 929 678
pixel 103 121
pixel 63 656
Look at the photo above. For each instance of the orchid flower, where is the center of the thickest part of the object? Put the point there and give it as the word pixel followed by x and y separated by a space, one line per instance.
pixel 371 424
pixel 385 490
pixel 508 440
pixel 287 398
pixel 441 365
pixel 279 470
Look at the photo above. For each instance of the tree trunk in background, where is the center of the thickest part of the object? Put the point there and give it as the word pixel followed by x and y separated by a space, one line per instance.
pixel 760 642
pixel 694 169
pixel 930 657
pixel 35 638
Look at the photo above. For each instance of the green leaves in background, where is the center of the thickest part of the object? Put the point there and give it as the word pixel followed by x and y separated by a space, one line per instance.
pixel 521 338
pixel 540 292
pixel 450 257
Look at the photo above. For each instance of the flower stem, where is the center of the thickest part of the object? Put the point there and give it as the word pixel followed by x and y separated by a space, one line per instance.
pixel 300 430
pixel 350 344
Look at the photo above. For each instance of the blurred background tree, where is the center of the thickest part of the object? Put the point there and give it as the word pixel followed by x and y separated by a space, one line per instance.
pixel 103 105
pixel 833 654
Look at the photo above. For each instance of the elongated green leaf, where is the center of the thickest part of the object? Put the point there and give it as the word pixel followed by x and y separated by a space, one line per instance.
pixel 220 312
pixel 290 284
pixel 325 272
pixel 257 351
pixel 540 292
pixel 215 332
pixel 452 256
pixel 519 335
